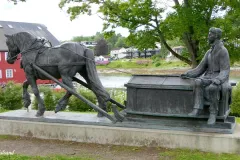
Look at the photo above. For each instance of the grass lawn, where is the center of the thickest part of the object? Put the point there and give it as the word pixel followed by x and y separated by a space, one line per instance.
pixel 238 120
pixel 20 157
pixel 170 154
pixel 142 63
pixel 185 154
pixel 3 110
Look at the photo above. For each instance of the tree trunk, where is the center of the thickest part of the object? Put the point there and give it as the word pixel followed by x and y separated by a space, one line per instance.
pixel 192 47
pixel 172 51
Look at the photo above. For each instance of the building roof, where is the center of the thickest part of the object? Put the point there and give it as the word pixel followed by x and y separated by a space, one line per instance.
pixel 39 30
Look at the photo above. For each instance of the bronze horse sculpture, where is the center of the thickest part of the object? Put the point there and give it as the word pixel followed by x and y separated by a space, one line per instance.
pixel 62 61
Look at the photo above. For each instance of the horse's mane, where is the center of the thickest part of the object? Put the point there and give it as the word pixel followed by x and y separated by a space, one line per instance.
pixel 24 38
pixel 24 35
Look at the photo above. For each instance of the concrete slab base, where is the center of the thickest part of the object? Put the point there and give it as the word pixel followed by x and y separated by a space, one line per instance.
pixel 46 128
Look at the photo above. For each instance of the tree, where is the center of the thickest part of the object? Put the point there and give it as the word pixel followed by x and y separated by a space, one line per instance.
pixel 82 38
pixel 121 42
pixel 101 48
pixel 189 21
pixel 98 36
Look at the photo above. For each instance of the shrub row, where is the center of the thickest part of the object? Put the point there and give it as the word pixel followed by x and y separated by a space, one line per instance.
pixel 235 106
pixel 11 98
pixel 51 98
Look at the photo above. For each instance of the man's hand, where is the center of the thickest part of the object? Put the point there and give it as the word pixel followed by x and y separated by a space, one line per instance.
pixel 216 81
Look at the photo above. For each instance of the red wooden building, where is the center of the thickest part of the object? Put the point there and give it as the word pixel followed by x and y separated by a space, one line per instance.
pixel 13 72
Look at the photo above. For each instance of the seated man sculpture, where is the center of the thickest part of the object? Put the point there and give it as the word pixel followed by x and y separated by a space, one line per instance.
pixel 210 75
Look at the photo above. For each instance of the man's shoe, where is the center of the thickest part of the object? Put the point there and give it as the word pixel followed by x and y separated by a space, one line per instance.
pixel 211 119
pixel 195 112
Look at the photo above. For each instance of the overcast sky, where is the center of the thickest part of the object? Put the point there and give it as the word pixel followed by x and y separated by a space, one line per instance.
pixel 57 21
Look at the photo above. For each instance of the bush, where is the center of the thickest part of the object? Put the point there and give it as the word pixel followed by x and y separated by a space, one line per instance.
pixel 50 98
pixel 76 104
pixel 118 95
pixel 11 96
pixel 235 106
pixel 157 64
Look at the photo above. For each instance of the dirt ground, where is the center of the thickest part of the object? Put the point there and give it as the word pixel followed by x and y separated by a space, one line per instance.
pixel 39 147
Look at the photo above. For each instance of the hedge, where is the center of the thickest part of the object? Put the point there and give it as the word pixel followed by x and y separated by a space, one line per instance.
pixel 11 96
pixel 235 106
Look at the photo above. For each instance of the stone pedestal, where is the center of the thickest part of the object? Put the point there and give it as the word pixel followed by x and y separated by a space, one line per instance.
pixel 170 99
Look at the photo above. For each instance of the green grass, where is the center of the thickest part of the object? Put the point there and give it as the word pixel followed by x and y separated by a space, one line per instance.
pixel 186 154
pixel 142 63
pixel 238 119
pixel 2 110
pixel 20 157
pixel 171 154
pixel 8 137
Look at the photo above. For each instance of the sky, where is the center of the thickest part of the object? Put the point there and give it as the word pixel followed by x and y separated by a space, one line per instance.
pixel 55 19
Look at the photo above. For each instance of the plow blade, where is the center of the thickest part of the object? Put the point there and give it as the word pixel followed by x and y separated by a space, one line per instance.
pixel 72 91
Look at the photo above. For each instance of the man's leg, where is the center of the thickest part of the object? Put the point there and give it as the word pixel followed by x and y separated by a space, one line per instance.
pixel 198 97
pixel 214 100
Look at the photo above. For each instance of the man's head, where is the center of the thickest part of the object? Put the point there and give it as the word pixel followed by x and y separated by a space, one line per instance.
pixel 214 34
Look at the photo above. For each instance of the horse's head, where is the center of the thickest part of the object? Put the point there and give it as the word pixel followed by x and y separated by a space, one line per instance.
pixel 13 49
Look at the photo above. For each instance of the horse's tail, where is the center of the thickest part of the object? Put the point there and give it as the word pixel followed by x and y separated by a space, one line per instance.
pixel 95 82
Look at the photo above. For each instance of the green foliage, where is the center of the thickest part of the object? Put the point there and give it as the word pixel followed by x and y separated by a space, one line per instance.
pixel 235 106
pixel 11 96
pixel 54 157
pixel 157 64
pixel 187 154
pixel 50 98
pixel 238 120
pixel 101 48
pixel 147 22
pixel 156 60
pixel 118 95
pixel 76 104
pixel 83 38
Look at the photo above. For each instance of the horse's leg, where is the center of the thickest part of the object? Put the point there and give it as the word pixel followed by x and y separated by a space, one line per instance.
pixel 62 103
pixel 41 108
pixel 102 103
pixel 26 96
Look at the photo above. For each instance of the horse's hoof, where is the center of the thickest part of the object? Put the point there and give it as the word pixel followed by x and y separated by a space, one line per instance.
pixel 40 113
pixel 57 109
pixel 100 115
pixel 26 104
pixel 60 107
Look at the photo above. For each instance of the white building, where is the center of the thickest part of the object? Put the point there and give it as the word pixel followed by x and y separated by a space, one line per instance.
pixel 89 43
pixel 178 50
pixel 119 53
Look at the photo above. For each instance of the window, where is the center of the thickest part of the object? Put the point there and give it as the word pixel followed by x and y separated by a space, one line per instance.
pixel 0 74
pixel 9 73
pixel 10 26
pixel 6 55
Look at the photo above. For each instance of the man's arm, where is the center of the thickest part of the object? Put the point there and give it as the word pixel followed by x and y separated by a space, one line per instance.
pixel 224 63
pixel 199 70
